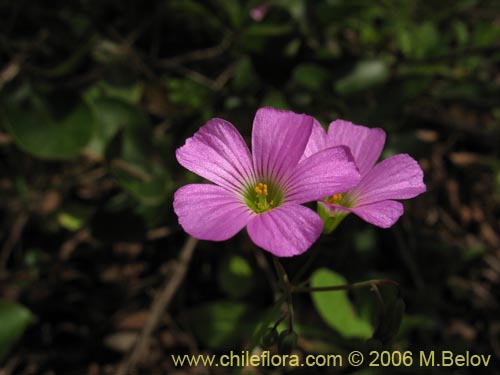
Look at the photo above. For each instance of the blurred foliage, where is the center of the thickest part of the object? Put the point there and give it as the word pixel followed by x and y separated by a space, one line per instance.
pixel 95 96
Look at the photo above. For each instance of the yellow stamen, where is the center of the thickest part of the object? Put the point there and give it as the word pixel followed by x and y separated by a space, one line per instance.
pixel 334 199
pixel 261 189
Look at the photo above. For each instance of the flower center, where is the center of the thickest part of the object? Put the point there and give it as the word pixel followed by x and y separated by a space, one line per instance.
pixel 335 199
pixel 263 197
pixel 262 203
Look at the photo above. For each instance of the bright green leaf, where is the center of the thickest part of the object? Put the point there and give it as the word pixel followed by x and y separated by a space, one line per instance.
pixel 335 307
pixel 74 217
pixel 366 74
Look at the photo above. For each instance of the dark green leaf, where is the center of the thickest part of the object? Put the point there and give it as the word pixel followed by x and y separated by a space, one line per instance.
pixel 38 132
pixel 235 276
pixel 311 76
pixel 14 319
pixel 224 325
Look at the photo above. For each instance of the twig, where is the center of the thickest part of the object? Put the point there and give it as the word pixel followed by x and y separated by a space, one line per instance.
pixel 224 77
pixel 10 366
pixel 160 304
pixel 15 234
pixel 362 284
pixel 197 77
pixel 10 71
pixel 157 233
pixel 197 55
pixel 131 170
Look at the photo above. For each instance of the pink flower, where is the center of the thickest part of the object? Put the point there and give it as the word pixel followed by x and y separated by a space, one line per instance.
pixel 373 198
pixel 259 12
pixel 263 190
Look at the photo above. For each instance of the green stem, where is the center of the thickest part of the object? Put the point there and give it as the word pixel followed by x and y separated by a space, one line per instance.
pixel 363 284
pixel 287 290
pixel 379 296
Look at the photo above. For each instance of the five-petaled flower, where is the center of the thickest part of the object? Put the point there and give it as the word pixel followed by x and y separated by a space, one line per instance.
pixel 373 199
pixel 262 190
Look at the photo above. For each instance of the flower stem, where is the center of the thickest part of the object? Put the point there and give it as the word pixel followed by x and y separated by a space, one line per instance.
pixel 287 290
pixel 363 284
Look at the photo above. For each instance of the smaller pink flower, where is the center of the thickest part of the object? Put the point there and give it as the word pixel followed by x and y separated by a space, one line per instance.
pixel 374 198
pixel 259 12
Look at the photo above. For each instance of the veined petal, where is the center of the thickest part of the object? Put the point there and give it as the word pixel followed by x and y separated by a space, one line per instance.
pixel 398 177
pixel 210 212
pixel 218 153
pixel 382 214
pixel 278 141
pixel 366 144
pixel 285 231
pixel 325 173
pixel 318 140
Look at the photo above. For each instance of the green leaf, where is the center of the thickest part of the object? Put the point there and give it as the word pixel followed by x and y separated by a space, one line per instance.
pixel 14 320
pixel 461 32
pixel 37 131
pixel 187 94
pixel 244 75
pixel 108 124
pixel 257 36
pixel 130 93
pixel 196 12
pixel 74 216
pixel 366 74
pixel 233 10
pixel 133 142
pixel 150 191
pixel 235 276
pixel 124 136
pixel 311 76
pixel 268 318
pixel 266 30
pixel 427 40
pixel 335 307
pixel 486 35
pixel 224 325
pixel 274 99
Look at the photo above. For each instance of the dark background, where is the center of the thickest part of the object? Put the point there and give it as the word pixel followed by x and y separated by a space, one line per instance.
pixel 97 95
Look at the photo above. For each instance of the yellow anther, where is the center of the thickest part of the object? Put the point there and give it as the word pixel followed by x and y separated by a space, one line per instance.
pixel 334 199
pixel 261 189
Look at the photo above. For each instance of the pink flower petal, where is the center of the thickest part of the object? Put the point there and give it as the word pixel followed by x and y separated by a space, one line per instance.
pixel 209 212
pixel 382 214
pixel 218 153
pixel 398 177
pixel 325 173
pixel 285 231
pixel 366 144
pixel 278 141
pixel 317 141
